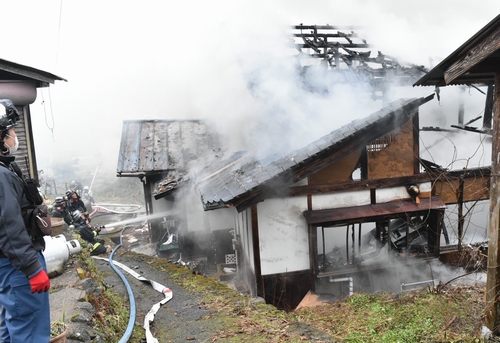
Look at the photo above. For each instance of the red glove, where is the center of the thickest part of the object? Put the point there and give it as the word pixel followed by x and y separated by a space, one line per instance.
pixel 40 282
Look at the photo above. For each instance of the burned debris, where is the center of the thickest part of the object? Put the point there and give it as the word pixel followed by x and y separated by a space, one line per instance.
pixel 168 184
pixel 347 58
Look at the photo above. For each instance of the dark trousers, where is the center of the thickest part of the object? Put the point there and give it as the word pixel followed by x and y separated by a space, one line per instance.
pixel 24 317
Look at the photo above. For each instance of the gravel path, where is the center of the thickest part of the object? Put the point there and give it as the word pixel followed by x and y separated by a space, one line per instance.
pixel 181 319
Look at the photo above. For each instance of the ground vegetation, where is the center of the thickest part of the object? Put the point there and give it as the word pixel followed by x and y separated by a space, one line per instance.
pixel 220 314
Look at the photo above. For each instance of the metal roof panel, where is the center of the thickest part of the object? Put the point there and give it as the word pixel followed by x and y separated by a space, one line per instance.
pixel 161 145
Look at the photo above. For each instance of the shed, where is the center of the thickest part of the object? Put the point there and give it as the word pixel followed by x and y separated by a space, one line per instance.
pixel 163 155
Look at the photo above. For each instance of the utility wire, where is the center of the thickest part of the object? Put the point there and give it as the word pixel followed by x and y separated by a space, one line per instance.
pixel 58 34
pixel 50 127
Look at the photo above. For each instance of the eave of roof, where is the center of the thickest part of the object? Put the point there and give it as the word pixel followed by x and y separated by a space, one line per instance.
pixel 435 77
pixel 44 78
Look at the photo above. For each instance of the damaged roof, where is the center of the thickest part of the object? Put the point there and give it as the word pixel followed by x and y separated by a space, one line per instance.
pixel 342 48
pixel 243 181
pixel 475 61
pixel 156 146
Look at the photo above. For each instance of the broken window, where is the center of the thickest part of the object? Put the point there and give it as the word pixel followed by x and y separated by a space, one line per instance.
pixel 365 244
pixel 379 144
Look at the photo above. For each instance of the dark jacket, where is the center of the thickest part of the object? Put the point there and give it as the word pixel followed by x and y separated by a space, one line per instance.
pixel 15 242
pixel 86 231
pixel 76 206
pixel 60 211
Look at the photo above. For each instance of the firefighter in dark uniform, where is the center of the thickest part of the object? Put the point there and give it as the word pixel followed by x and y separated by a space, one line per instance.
pixel 89 233
pixel 75 203
pixel 59 210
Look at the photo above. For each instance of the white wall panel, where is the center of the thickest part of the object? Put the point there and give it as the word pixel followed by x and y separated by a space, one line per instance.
pixel 340 199
pixel 389 194
pixel 243 232
pixel 284 245
pixel 396 193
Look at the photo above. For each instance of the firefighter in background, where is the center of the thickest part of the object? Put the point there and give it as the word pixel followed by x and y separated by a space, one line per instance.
pixel 24 283
pixel 59 210
pixel 88 233
pixel 75 203
pixel 76 186
pixel 87 198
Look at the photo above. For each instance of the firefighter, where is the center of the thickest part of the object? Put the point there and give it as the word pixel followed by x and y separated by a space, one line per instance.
pixel 75 203
pixel 89 233
pixel 87 197
pixel 59 210
pixel 76 186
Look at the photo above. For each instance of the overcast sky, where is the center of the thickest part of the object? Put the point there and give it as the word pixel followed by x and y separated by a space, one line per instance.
pixel 175 60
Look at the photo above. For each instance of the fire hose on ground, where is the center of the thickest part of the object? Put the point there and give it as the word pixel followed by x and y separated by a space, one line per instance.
pixel 158 287
pixel 131 298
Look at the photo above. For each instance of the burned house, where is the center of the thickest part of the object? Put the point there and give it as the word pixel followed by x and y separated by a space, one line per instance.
pixel 356 210
pixel 163 154
pixel 346 213
pixel 19 83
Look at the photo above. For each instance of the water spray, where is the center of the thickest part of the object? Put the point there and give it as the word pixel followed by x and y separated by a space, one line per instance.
pixel 93 178
pixel 135 220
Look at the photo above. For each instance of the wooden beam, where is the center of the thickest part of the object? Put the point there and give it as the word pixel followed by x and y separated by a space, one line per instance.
pixel 478 53
pixel 256 251
pixel 444 176
pixel 492 311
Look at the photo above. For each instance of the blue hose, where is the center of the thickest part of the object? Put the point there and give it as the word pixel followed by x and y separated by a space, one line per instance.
pixel 131 320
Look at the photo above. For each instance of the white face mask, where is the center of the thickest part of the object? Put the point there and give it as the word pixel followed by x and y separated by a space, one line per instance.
pixel 12 149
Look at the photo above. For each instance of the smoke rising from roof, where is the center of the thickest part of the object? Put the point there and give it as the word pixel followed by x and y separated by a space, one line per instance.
pixel 195 60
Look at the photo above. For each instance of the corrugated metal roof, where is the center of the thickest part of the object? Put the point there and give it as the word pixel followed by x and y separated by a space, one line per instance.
pixel 247 177
pixel 151 146
pixel 435 77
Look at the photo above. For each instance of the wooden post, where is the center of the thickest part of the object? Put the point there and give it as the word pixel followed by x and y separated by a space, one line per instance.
pixel 461 219
pixel 492 312
pixel 488 107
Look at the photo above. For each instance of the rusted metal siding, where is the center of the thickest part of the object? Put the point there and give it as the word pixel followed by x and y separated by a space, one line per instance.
pixel 150 146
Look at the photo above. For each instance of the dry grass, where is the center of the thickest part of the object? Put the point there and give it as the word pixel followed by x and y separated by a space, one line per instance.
pixel 449 314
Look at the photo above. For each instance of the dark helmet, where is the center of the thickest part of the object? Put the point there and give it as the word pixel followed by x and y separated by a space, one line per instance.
pixel 69 193
pixel 59 200
pixel 11 116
